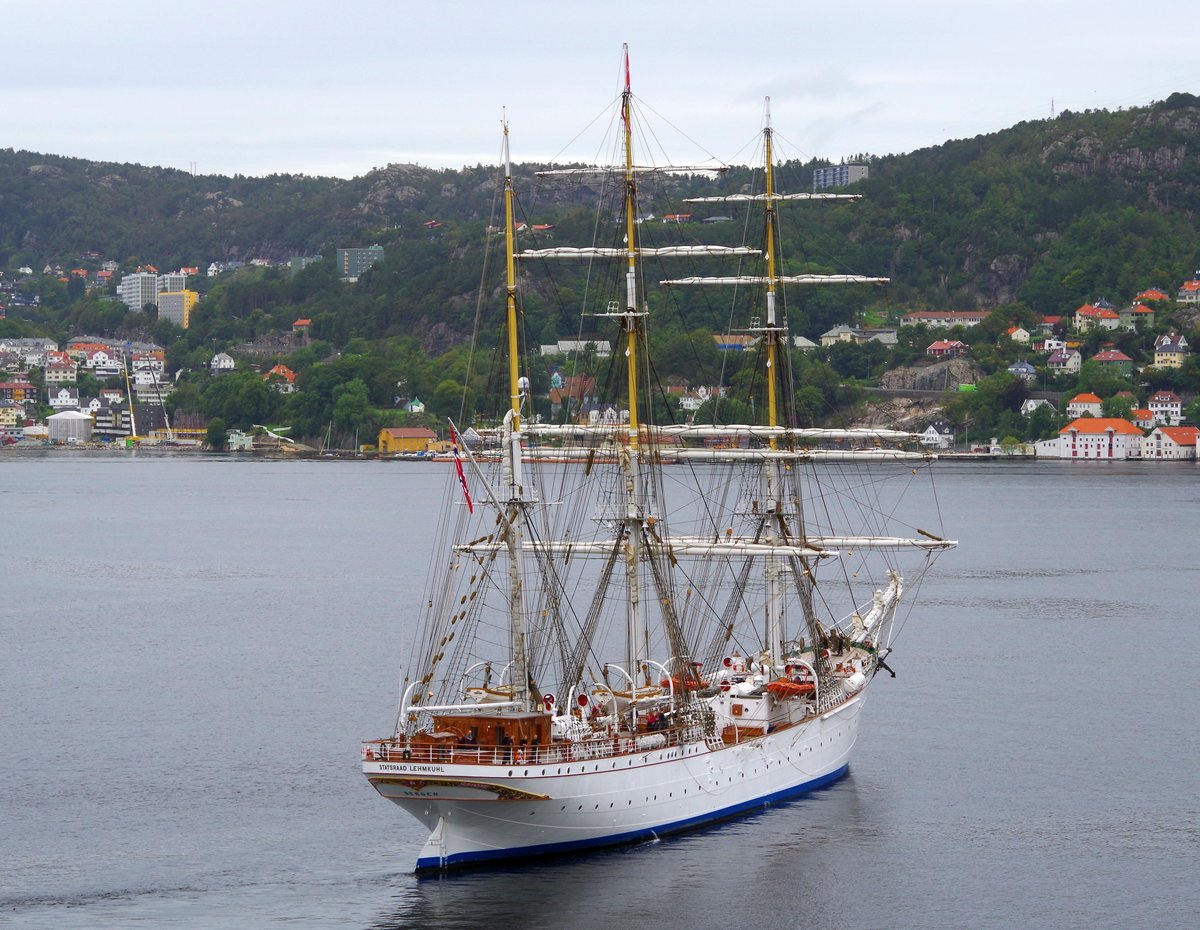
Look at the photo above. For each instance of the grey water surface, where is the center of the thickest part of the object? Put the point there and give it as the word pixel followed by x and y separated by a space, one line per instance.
pixel 192 647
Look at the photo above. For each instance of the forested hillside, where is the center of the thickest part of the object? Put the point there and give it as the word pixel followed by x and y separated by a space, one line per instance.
pixel 1041 218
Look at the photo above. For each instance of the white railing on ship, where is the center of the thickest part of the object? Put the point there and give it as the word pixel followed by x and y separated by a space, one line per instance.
pixel 602 747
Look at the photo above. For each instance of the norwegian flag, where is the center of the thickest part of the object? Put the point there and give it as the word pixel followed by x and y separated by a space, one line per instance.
pixel 462 479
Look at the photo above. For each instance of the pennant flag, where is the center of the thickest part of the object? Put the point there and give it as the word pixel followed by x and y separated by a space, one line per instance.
pixel 462 479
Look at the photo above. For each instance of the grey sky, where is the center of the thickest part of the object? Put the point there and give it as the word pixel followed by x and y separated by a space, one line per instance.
pixel 264 86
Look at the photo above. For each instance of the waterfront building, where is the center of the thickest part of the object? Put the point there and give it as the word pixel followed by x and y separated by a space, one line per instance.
pixel 1171 442
pixel 1108 438
pixel 405 439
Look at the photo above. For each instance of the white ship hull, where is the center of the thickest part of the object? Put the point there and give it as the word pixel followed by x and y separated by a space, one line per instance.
pixel 488 812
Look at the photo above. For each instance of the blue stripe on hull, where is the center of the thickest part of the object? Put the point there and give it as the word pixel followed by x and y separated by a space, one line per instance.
pixel 461 860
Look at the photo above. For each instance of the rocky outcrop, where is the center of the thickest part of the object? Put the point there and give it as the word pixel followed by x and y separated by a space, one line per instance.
pixel 940 376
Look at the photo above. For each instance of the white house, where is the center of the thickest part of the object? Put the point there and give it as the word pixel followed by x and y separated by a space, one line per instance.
pixel 1065 361
pixel 64 398
pixel 222 362
pixel 1032 404
pixel 937 435
pixel 1166 407
pixel 1083 403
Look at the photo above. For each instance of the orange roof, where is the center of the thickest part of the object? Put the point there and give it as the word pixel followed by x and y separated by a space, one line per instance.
pixel 1181 435
pixel 1085 399
pixel 1152 294
pixel 1190 286
pixel 303 323
pixel 1142 308
pixel 1101 425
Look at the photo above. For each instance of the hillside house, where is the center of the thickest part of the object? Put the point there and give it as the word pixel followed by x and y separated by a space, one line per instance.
pixel 1034 403
pixel 281 378
pixel 947 348
pixel 1137 313
pixel 944 319
pixel 1152 293
pixel 1114 360
pixel 1166 407
pixel 63 398
pixel 1065 362
pixel 1189 291
pixel 1083 404
pixel 1143 418
pixel 1023 370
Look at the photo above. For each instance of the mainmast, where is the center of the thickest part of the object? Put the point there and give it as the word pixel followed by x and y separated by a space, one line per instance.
pixel 515 505
pixel 631 321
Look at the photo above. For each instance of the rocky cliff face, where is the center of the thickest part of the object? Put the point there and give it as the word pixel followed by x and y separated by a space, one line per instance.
pixel 940 376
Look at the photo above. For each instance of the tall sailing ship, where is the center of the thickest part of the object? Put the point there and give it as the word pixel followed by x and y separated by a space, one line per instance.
pixel 642 628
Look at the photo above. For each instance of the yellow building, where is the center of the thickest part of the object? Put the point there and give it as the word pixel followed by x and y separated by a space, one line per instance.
pixel 1168 356
pixel 10 415
pixel 406 439
pixel 176 306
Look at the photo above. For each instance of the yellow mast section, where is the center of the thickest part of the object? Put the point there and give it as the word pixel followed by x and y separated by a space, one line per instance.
pixel 631 269
pixel 772 402
pixel 510 299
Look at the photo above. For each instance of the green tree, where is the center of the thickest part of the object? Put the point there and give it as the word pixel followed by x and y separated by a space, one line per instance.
pixel 216 435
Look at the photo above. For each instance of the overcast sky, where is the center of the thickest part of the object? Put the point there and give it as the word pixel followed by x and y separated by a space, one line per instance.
pixel 310 86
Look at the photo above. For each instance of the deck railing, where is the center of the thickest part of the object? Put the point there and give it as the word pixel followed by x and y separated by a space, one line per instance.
pixel 557 753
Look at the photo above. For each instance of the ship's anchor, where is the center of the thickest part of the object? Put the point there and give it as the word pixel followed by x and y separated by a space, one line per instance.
pixel 880 664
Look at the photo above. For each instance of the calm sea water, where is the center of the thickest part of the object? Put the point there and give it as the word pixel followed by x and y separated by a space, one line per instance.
pixel 191 650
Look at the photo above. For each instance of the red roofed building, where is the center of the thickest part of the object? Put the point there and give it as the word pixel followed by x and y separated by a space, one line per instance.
pixel 1143 418
pixel 1171 442
pixel 1189 291
pixel 946 348
pixel 1153 293
pixel 1114 359
pixel 1082 404
pixel 282 378
pixel 1106 438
